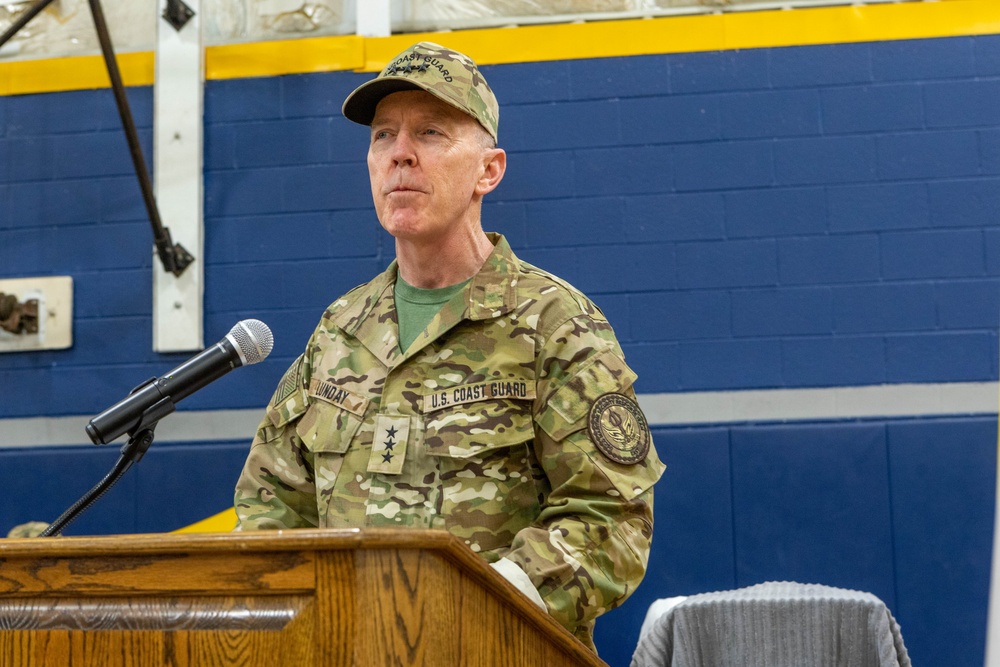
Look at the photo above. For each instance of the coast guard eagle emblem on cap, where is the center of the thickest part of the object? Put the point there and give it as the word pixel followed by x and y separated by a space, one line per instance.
pixel 618 428
pixel 450 76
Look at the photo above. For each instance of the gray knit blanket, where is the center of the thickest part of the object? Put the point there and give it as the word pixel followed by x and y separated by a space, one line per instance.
pixel 775 624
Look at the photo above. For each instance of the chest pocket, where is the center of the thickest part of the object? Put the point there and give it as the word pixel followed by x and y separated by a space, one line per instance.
pixel 330 427
pixel 476 428
pixel 489 478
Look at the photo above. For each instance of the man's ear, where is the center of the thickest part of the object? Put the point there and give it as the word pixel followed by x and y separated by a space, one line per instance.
pixel 495 164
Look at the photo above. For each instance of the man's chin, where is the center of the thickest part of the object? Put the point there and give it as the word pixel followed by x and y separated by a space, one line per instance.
pixel 404 222
pixel 405 230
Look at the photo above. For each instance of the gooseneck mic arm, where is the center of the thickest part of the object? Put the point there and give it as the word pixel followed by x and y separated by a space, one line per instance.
pixel 131 453
pixel 137 414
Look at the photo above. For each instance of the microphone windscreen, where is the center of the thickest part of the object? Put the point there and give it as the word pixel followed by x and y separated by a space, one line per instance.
pixel 254 340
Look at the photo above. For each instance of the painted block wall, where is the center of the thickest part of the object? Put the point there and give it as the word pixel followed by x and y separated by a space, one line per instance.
pixel 901 509
pixel 769 218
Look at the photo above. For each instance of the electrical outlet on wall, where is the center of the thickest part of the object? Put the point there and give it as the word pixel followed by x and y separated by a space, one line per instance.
pixel 41 313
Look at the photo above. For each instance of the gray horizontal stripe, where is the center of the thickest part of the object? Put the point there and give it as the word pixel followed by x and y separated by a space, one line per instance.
pixel 669 409
pixel 183 426
pixel 869 402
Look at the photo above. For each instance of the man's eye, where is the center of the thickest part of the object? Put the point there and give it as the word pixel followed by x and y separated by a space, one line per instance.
pixel 381 134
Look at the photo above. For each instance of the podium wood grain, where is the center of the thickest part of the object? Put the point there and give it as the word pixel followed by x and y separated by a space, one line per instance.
pixel 304 597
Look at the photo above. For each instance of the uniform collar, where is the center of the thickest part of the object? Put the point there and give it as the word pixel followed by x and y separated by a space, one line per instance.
pixel 491 293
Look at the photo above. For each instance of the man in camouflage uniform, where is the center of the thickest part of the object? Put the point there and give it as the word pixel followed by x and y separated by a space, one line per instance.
pixel 506 415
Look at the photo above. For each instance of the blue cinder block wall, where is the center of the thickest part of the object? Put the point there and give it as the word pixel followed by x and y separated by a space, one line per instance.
pixel 795 217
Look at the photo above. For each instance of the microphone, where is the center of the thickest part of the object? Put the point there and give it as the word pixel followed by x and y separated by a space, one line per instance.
pixel 248 342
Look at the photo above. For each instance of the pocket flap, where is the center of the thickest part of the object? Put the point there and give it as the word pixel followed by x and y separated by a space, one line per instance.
pixel 327 428
pixel 569 405
pixel 472 429
pixel 338 393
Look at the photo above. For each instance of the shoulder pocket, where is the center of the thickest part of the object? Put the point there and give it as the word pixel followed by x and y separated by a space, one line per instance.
pixel 569 404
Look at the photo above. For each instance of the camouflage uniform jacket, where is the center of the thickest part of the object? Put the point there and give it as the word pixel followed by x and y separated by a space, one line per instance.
pixel 480 428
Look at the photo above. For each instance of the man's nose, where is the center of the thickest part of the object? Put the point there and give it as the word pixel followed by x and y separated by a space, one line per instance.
pixel 403 150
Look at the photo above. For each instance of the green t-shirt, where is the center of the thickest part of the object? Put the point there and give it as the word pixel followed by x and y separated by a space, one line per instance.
pixel 416 307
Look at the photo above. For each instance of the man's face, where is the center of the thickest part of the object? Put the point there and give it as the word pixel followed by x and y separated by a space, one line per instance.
pixel 426 162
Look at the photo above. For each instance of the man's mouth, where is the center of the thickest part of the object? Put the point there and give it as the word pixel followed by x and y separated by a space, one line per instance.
pixel 399 189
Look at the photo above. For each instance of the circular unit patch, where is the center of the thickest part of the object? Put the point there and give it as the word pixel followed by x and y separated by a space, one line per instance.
pixel 618 428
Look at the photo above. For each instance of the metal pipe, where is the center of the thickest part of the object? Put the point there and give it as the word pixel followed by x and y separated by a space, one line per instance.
pixel 174 259
pixel 23 19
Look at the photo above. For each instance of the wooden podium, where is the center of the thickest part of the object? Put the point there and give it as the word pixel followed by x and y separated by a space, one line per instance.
pixel 275 598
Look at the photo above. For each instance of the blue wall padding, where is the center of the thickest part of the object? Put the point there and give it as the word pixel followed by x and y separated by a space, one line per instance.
pixel 902 509
pixel 173 486
pixel 816 216
pixel 820 481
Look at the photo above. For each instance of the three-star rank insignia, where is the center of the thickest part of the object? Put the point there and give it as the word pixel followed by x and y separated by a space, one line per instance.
pixel 389 445
pixel 405 69
pixel 618 429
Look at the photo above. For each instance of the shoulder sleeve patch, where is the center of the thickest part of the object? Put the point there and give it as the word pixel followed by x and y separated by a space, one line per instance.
pixel 289 400
pixel 618 429
pixel 290 381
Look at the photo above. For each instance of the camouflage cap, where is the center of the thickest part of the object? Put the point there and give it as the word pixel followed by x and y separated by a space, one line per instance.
pixel 30 529
pixel 449 75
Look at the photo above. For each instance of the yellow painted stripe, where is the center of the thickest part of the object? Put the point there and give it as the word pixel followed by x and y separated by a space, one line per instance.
pixel 291 56
pixel 223 522
pixel 682 34
pixel 76 73
pixel 704 32
pixel 564 41
pixel 869 23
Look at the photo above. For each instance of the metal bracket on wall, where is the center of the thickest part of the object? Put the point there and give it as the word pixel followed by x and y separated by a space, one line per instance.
pixel 177 14
pixel 36 313
pixel 18 317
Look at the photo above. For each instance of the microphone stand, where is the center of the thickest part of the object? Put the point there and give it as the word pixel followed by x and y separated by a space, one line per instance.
pixel 140 438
